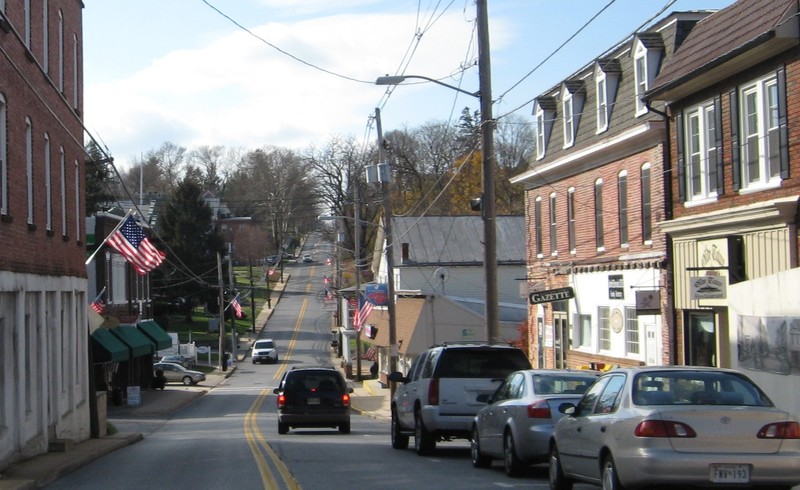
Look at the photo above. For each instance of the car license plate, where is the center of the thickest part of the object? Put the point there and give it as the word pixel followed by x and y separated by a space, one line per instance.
pixel 730 473
pixel 313 401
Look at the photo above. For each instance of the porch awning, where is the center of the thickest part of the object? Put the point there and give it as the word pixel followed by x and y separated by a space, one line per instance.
pixel 138 343
pixel 107 347
pixel 157 334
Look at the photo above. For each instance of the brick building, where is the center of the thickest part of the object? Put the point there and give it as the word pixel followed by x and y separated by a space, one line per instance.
pixel 594 194
pixel 44 392
pixel 733 94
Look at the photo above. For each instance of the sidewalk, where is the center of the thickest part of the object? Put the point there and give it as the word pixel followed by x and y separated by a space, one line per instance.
pixel 368 398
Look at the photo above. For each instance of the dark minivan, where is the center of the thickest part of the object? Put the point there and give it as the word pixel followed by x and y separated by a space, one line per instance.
pixel 313 397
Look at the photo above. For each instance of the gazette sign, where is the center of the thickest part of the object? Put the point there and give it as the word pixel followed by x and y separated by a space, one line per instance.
pixel 551 295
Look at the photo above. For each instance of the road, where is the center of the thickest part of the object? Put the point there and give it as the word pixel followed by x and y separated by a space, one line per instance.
pixel 228 438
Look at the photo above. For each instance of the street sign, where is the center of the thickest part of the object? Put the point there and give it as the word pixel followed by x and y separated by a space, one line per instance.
pixel 550 295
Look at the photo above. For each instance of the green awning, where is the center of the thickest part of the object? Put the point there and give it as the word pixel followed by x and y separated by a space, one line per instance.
pixel 107 347
pixel 138 343
pixel 157 334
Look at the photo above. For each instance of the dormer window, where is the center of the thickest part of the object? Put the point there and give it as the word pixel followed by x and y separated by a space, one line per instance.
pixel 544 110
pixel 606 77
pixel 647 53
pixel 572 97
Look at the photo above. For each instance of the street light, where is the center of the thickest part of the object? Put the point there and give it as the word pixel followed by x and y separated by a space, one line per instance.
pixel 487 131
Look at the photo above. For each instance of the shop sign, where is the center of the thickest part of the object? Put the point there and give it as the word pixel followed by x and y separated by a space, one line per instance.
pixel 551 295
pixel 616 286
pixel 708 287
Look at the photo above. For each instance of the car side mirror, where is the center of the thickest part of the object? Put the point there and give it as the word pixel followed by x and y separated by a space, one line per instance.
pixel 567 408
pixel 277 391
pixel 397 377
pixel 484 398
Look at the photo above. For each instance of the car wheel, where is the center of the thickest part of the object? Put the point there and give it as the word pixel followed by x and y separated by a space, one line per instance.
pixel 187 380
pixel 399 440
pixel 283 428
pixel 345 428
pixel 556 474
pixel 513 465
pixel 479 460
pixel 610 478
pixel 424 443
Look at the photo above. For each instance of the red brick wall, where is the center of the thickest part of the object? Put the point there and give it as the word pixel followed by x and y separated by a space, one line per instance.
pixel 30 93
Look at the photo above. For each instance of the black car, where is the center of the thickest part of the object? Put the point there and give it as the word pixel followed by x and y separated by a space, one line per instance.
pixel 313 397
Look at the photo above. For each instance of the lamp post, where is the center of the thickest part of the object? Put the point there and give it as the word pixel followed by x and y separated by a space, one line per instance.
pixel 488 205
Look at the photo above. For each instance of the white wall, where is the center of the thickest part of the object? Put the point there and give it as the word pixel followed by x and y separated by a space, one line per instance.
pixel 777 295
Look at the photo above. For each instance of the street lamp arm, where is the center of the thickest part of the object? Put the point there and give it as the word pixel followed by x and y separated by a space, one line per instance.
pixel 397 80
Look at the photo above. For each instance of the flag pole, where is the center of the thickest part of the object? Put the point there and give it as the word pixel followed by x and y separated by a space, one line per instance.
pixel 99 247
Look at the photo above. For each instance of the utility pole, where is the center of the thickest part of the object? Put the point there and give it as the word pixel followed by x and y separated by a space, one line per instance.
pixel 357 258
pixel 384 175
pixel 221 321
pixel 488 202
pixel 233 290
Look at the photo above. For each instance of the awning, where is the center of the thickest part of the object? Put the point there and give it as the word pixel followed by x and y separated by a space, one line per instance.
pixel 157 334
pixel 107 347
pixel 138 343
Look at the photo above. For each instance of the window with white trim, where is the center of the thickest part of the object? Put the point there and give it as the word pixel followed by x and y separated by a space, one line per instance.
pixel 632 343
pixel 647 204
pixel 545 113
pixel 78 212
pixel 553 226
pixel 29 166
pixel 584 323
pixel 60 50
pixel 75 72
pixel 3 155
pixel 537 213
pixel 646 58
pixel 702 151
pixel 26 10
pixel 598 214
pixel 622 207
pixel 571 219
pixel 602 102
pixel 569 119
pixel 604 326
pixel 46 36
pixel 48 186
pixel 63 164
pixel 760 137
pixel 573 95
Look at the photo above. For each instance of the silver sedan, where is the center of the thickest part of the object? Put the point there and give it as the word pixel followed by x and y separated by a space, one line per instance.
pixel 675 426
pixel 517 424
pixel 175 373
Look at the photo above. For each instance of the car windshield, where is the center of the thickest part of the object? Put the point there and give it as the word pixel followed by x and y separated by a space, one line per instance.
pixel 265 344
pixel 480 363
pixel 697 388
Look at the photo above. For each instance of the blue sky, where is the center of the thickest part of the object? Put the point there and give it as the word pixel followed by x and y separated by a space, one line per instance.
pixel 180 71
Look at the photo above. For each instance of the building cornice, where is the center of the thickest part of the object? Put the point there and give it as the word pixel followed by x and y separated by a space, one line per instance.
pixel 772 213
pixel 628 142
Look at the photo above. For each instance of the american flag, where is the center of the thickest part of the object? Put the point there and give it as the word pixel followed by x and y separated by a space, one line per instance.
pixel 130 241
pixel 98 306
pixel 360 316
pixel 237 307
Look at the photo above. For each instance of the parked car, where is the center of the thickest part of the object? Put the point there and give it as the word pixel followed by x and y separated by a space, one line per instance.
pixel 438 398
pixel 308 258
pixel 675 426
pixel 265 350
pixel 186 362
pixel 175 373
pixel 518 421
pixel 313 397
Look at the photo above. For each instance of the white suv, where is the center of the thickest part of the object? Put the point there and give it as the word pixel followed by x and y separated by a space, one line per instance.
pixel 438 398
pixel 264 350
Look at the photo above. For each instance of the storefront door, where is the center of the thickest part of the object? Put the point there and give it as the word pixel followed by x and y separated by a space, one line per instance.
pixel 701 338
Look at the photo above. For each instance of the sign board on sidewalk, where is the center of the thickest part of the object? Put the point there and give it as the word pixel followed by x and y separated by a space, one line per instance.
pixel 134 396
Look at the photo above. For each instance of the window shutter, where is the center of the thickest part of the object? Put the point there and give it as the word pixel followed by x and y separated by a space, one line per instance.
pixel 736 169
pixel 681 159
pixel 718 144
pixel 783 124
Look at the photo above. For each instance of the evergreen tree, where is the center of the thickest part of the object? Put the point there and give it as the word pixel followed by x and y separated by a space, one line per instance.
pixel 99 180
pixel 185 225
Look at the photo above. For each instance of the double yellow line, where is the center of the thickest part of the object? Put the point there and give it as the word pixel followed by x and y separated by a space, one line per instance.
pixel 255 438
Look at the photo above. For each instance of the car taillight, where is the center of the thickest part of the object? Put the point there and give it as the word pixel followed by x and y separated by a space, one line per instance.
pixel 281 401
pixel 539 410
pixel 663 428
pixel 433 392
pixel 780 430
pixel 346 400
